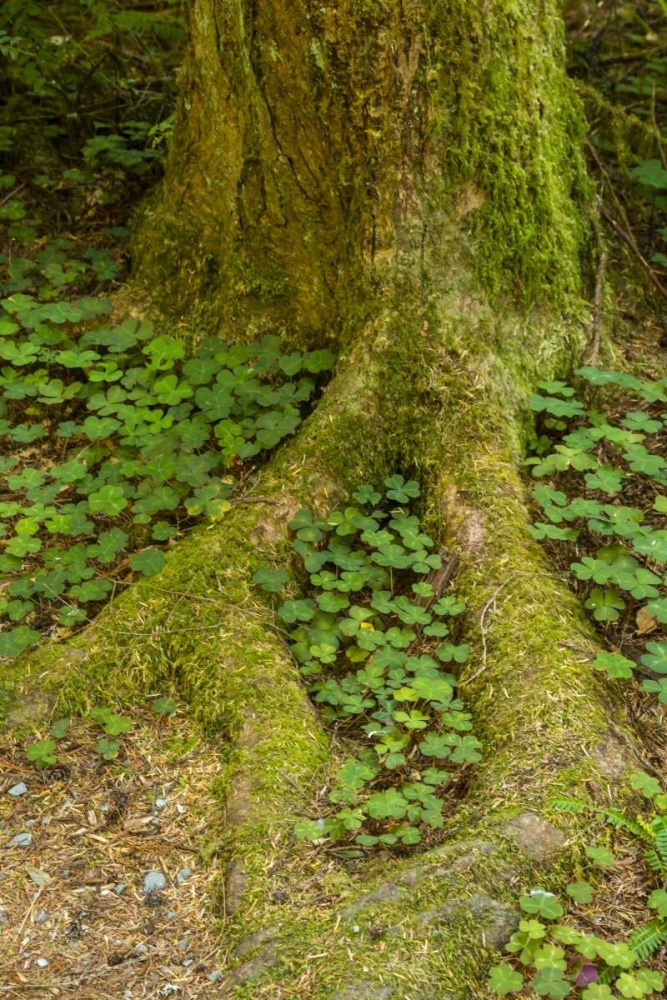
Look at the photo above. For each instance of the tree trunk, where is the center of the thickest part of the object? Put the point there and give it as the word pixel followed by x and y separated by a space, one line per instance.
pixel 403 181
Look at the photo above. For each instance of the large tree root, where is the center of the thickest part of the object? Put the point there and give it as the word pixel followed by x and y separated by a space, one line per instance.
pixel 298 922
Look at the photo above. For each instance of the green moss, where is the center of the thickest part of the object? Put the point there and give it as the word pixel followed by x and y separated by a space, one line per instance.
pixel 444 122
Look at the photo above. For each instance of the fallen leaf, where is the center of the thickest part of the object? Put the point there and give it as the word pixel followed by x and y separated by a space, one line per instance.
pixel 646 622
pixel 137 824
pixel 39 877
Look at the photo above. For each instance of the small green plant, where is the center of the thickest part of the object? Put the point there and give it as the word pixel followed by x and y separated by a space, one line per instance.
pixel 557 959
pixel 376 642
pixel 146 439
pixel 42 753
pixel 107 749
pixel 615 523
pixel 163 706
pixel 112 723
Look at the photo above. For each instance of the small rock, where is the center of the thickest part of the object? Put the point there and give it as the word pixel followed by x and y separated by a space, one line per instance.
pixel 535 836
pixel 21 840
pixel 215 977
pixel 141 949
pixel 41 917
pixel 184 944
pixel 161 803
pixel 183 875
pixel 128 994
pixel 120 888
pixel 169 989
pixel 30 822
pixel 65 873
pixel 3 917
pixel 20 788
pixel 180 809
pixel 171 914
pixel 42 963
pixel 154 882
pixel 187 961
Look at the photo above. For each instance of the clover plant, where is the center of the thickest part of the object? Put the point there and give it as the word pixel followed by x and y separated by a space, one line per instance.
pixel 376 643
pixel 606 500
pixel 559 960
pixel 116 439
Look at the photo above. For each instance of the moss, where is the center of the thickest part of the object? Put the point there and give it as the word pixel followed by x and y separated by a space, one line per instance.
pixel 443 121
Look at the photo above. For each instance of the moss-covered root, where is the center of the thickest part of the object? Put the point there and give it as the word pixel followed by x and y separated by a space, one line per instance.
pixel 203 629
pixel 426 928
pixel 548 720
pixel 200 631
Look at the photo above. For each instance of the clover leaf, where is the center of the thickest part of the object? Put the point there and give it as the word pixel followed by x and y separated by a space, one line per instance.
pixel 503 979
pixel 271 580
pixel 545 904
pixel 149 562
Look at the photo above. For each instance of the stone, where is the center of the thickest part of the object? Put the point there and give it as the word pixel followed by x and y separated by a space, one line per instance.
pixel 41 917
pixel 364 991
pixel 154 882
pixel 161 803
pixel 495 921
pixel 535 836
pixel 21 840
pixel 215 976
pixel 42 963
pixel 183 875
pixel 120 888
pixel 20 788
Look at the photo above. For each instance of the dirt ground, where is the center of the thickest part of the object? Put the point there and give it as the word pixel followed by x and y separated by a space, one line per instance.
pixel 107 893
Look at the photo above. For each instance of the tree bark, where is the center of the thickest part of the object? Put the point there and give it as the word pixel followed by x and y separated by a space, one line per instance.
pixel 401 180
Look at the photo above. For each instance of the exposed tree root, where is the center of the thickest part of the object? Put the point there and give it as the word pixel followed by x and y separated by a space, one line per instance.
pixel 300 921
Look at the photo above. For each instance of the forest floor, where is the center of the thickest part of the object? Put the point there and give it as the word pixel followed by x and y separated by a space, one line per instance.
pixel 107 883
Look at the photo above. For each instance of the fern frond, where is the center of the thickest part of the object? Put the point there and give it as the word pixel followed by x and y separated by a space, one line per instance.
pixel 653 861
pixel 571 805
pixel 646 827
pixel 646 940
pixel 620 821
pixel 659 828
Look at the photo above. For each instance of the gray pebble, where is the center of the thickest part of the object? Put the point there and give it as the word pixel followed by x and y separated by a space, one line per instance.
pixel 65 873
pixel 128 994
pixel 42 963
pixel 3 916
pixel 215 977
pixel 184 944
pixel 183 875
pixel 154 882
pixel 41 917
pixel 187 961
pixel 20 788
pixel 171 914
pixel 161 803
pixel 120 888
pixel 21 840
pixel 141 949
pixel 30 822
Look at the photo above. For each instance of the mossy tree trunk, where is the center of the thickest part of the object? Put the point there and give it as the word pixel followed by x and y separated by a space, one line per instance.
pixel 403 181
